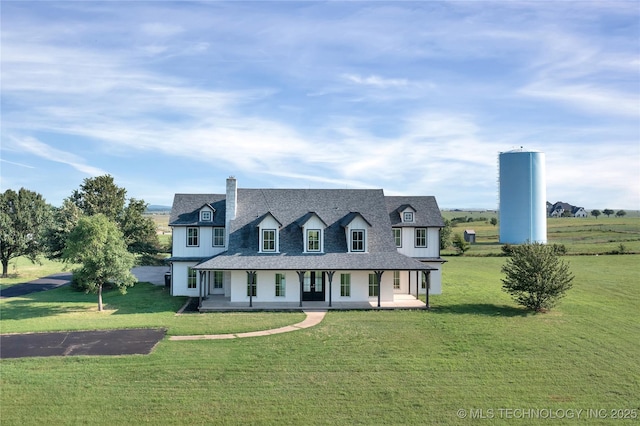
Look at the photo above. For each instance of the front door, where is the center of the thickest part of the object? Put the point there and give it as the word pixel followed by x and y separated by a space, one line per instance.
pixel 216 282
pixel 313 286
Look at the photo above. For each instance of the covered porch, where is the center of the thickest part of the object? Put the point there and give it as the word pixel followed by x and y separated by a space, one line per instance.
pixel 218 303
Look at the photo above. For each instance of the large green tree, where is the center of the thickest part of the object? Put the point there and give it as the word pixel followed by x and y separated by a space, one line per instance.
pixel 608 212
pixel 24 216
pixel 65 218
pixel 535 276
pixel 100 195
pixel 595 213
pixel 98 245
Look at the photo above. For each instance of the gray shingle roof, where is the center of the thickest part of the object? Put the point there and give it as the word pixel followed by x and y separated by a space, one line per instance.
pixel 427 213
pixel 292 208
pixel 186 208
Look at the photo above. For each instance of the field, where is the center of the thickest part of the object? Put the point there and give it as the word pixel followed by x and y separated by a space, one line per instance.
pixel 579 235
pixel 474 355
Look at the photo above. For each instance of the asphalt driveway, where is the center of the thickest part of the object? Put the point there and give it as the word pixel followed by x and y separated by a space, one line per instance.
pixel 69 343
pixel 41 284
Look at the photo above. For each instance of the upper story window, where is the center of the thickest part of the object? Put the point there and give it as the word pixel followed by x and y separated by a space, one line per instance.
pixel 397 236
pixel 357 240
pixel 313 240
pixel 192 237
pixel 407 217
pixel 268 240
pixel 206 216
pixel 421 237
pixel 218 237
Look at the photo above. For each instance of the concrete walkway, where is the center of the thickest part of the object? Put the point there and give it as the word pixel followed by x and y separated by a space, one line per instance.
pixel 313 318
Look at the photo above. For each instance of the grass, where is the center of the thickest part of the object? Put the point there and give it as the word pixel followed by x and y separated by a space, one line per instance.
pixel 579 235
pixel 474 350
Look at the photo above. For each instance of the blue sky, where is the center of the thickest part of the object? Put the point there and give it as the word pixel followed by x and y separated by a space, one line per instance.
pixel 417 98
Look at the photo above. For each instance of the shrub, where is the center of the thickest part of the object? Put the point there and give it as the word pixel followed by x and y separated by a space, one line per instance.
pixel 536 277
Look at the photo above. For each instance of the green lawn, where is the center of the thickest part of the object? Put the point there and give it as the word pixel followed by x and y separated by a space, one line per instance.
pixel 474 350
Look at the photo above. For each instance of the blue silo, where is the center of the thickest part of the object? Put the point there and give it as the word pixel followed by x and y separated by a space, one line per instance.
pixel 523 197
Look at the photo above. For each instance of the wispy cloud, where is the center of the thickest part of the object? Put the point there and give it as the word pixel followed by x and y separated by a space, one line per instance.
pixel 40 149
pixel 376 81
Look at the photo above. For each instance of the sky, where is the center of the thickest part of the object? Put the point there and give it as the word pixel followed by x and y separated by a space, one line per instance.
pixel 417 98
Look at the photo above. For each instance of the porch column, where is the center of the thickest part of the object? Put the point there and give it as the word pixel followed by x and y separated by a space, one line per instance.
pixel 417 284
pixel 330 275
pixel 251 280
pixel 201 278
pixel 428 274
pixel 301 278
pixel 379 278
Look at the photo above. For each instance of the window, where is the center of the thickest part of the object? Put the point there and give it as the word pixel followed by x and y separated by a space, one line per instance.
pixel 421 237
pixel 191 278
pixel 205 216
pixel 357 240
pixel 313 240
pixel 281 284
pixel 192 237
pixel 268 240
pixel 218 279
pixel 218 237
pixel 396 280
pixel 252 287
pixel 373 285
pixel 345 285
pixel 408 217
pixel 397 235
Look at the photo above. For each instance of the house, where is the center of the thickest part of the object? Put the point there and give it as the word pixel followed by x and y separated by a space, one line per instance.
pixel 276 246
pixel 470 236
pixel 558 210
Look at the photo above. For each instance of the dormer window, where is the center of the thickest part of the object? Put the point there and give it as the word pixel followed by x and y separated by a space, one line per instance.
pixel 268 232
pixel 313 240
pixel 313 232
pixel 357 239
pixel 269 240
pixel 407 217
pixel 206 216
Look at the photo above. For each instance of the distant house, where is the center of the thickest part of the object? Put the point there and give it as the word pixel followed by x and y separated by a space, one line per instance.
pixel 558 210
pixel 470 236
pixel 277 246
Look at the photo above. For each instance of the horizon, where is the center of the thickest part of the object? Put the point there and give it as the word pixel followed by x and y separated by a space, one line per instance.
pixel 416 98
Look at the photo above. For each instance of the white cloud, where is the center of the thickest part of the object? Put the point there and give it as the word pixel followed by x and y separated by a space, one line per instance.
pixel 40 149
pixel 377 81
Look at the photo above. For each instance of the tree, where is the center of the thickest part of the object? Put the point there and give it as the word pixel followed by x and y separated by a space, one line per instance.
pixel 494 221
pixel 24 215
pixel 445 234
pixel 97 243
pixel 100 195
pixel 608 212
pixel 620 213
pixel 65 218
pixel 595 213
pixel 536 277
pixel 460 244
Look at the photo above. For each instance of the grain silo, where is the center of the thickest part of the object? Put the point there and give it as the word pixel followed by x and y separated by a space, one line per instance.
pixel 523 197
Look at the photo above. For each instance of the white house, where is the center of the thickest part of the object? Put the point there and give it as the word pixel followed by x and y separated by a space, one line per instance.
pixel 300 245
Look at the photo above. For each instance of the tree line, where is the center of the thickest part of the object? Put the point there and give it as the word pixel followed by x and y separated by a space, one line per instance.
pixel 95 226
pixel 608 212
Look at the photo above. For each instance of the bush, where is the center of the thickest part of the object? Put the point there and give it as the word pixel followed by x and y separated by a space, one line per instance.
pixel 536 277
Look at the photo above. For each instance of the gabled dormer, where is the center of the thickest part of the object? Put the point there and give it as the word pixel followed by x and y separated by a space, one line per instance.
pixel 206 213
pixel 269 233
pixel 313 228
pixel 407 214
pixel 357 232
